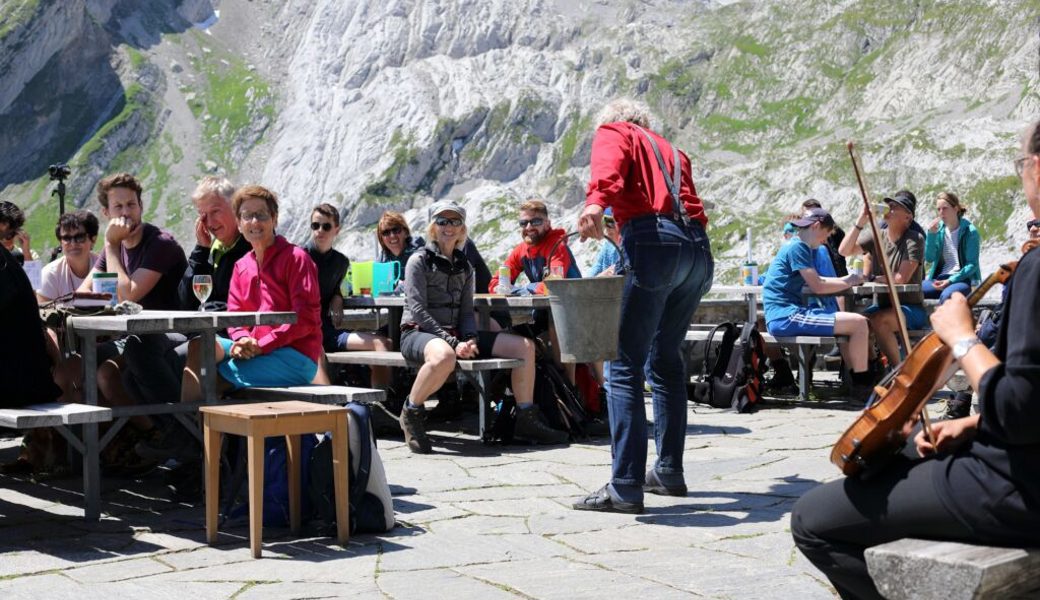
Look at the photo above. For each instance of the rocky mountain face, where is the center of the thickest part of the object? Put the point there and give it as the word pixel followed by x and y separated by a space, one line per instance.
pixel 391 105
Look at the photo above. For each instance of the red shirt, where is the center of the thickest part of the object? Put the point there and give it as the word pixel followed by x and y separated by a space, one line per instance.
pixel 532 260
pixel 626 175
pixel 288 281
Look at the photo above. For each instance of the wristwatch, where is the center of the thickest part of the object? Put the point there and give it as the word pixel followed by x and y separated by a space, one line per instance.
pixel 961 347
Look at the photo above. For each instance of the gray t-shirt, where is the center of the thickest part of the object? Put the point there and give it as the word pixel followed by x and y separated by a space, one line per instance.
pixel 909 247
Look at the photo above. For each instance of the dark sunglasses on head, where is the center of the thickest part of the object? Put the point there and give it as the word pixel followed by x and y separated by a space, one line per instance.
pixel 77 238
pixel 322 226
pixel 1033 223
pixel 535 222
pixel 389 231
pixel 445 221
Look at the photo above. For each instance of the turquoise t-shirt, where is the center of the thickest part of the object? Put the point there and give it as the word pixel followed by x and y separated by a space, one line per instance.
pixel 782 293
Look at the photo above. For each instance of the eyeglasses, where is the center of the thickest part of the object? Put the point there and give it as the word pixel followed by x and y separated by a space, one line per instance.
pixel 262 217
pixel 535 222
pixel 77 238
pixel 322 226
pixel 609 223
pixel 1033 223
pixel 392 231
pixel 1020 164
pixel 445 221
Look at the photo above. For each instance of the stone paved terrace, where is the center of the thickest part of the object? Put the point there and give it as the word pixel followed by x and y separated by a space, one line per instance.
pixel 475 522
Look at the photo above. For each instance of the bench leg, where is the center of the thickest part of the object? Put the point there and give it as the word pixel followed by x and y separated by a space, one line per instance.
pixel 211 460
pixel 341 478
pixel 91 472
pixel 292 465
pixel 255 451
pixel 803 372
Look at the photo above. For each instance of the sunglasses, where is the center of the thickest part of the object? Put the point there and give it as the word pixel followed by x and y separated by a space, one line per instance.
pixel 1033 223
pixel 535 222
pixel 322 226
pixel 1020 164
pixel 609 223
pixel 445 221
pixel 391 231
pixel 257 216
pixel 78 238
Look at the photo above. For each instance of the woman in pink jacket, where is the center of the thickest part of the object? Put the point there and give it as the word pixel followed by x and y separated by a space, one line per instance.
pixel 274 276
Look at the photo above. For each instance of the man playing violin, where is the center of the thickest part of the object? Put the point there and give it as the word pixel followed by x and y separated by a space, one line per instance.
pixel 979 482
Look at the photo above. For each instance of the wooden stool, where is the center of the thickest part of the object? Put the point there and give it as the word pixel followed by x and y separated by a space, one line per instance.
pixel 256 422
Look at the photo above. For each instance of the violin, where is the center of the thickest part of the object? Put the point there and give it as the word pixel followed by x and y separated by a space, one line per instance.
pixel 877 434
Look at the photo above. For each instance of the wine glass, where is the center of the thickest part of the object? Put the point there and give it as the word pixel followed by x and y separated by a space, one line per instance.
pixel 202 286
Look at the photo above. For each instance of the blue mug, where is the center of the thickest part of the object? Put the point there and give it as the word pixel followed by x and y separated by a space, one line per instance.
pixel 385 277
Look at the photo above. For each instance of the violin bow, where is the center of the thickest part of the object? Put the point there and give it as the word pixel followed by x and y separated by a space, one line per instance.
pixel 889 282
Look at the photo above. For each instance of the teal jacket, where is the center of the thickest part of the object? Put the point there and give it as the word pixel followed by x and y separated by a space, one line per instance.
pixel 967 253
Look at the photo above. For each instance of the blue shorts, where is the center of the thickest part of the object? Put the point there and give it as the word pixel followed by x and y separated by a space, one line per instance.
pixel 914 314
pixel 807 321
pixel 282 367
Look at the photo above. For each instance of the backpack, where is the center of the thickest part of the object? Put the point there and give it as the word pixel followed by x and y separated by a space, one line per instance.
pixel 276 481
pixel 735 379
pixel 371 506
pixel 560 402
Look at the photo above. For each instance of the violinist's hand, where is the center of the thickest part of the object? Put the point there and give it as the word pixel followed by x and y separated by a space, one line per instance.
pixel 948 435
pixel 864 218
pixel 952 320
pixel 590 223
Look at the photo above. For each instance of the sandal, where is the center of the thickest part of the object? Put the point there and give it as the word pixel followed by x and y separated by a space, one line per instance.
pixel 601 501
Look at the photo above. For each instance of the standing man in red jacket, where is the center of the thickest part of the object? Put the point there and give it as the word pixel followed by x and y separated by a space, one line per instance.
pixel 649 185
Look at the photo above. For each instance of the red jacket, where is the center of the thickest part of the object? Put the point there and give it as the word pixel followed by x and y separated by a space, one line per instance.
pixel 626 175
pixel 288 282
pixel 531 260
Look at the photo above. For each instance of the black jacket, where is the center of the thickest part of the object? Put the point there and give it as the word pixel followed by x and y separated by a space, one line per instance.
pixel 199 264
pixel 24 365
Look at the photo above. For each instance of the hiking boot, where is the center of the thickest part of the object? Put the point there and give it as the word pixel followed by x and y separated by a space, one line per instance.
pixel 413 424
pixel 958 407
pixel 531 425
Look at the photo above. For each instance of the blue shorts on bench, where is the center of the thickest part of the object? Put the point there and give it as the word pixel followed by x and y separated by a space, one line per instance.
pixel 807 321
pixel 282 367
pixel 914 314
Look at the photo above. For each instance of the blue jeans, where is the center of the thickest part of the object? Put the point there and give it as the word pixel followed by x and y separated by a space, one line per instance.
pixel 671 268
pixel 929 290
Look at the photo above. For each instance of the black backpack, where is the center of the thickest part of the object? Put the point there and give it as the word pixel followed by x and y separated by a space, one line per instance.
pixel 560 402
pixel 735 379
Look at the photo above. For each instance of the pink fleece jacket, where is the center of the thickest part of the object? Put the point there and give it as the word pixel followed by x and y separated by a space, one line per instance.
pixel 287 282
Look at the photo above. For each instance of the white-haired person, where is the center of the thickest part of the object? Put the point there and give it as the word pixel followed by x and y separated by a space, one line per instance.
pixel 648 183
pixel 438 327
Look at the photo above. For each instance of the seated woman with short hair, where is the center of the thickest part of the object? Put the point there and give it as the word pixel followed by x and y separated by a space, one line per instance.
pixel 274 276
pixel 438 326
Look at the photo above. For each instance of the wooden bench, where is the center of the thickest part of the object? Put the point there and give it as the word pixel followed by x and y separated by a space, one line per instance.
pixel 477 372
pixel 924 570
pixel 803 344
pixel 61 417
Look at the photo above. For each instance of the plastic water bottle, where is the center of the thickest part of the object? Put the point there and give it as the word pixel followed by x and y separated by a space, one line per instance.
pixel 504 288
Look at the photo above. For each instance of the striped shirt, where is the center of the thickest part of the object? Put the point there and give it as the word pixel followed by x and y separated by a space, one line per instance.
pixel 951 263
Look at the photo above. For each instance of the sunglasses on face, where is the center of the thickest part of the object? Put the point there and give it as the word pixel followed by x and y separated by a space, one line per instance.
pixel 391 231
pixel 257 216
pixel 609 223
pixel 535 222
pixel 77 238
pixel 322 226
pixel 1033 223
pixel 445 221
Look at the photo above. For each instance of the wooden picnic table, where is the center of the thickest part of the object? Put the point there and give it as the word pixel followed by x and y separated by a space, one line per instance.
pixel 484 303
pixel 88 328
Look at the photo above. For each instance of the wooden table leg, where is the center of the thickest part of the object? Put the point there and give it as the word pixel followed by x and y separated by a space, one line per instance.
pixel 293 463
pixel 341 477
pixel 255 446
pixel 211 460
